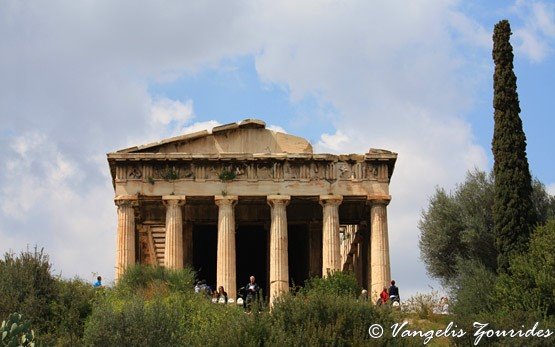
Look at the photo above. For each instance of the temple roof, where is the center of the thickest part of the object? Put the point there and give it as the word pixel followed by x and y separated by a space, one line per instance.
pixel 247 136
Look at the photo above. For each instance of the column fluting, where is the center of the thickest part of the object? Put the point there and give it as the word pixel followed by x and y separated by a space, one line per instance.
pixel 279 263
pixel 331 252
pixel 226 274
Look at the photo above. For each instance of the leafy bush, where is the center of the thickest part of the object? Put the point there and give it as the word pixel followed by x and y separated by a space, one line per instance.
pixel 530 287
pixel 324 319
pixel 72 306
pixel 423 305
pixel 27 287
pixel 141 277
pixel 338 283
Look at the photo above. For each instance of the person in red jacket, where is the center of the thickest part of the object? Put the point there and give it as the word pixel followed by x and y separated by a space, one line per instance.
pixel 384 296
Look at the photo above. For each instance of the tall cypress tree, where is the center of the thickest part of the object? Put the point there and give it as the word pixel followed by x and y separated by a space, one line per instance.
pixel 513 212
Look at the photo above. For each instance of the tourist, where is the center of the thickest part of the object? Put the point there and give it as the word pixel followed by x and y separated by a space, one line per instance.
pixel 394 292
pixel 252 290
pixel 197 287
pixel 384 296
pixel 202 288
pixel 363 295
pixel 444 305
pixel 221 295
pixel 98 282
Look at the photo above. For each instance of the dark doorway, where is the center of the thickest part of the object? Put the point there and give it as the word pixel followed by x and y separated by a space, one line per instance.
pixel 298 254
pixel 252 256
pixel 205 243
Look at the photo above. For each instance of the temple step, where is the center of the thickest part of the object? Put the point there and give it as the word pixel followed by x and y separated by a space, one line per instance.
pixel 159 238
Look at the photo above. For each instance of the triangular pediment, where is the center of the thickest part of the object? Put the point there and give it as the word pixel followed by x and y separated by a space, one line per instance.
pixel 247 136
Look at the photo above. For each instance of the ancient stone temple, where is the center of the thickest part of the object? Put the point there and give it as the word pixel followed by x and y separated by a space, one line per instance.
pixel 244 200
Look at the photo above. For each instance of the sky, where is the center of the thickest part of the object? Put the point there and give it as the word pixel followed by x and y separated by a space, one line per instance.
pixel 79 79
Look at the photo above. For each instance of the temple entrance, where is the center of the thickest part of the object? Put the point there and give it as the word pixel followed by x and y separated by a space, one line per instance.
pixel 252 256
pixel 298 254
pixel 205 241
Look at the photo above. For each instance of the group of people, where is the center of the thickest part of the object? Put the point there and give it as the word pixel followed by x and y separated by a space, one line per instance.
pixel 388 295
pixel 247 295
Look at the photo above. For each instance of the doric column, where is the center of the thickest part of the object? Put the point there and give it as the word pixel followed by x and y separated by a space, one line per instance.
pixel 331 253
pixel 279 264
pixel 226 274
pixel 125 246
pixel 173 250
pixel 380 269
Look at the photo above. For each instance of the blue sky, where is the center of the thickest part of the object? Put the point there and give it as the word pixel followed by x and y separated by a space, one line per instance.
pixel 82 79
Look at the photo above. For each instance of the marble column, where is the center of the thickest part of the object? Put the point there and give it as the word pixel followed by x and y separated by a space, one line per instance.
pixel 125 247
pixel 173 250
pixel 380 270
pixel 226 274
pixel 279 263
pixel 331 252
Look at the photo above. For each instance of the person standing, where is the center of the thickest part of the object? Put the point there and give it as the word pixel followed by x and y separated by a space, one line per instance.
pixel 252 290
pixel 384 296
pixel 98 282
pixel 394 292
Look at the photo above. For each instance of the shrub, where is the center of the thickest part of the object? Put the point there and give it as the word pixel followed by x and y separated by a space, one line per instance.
pixel 338 283
pixel 71 308
pixel 142 277
pixel 27 287
pixel 324 319
pixel 423 305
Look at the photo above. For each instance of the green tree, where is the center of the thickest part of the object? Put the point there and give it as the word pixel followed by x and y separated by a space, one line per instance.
pixel 531 285
pixel 458 226
pixel 27 287
pixel 513 213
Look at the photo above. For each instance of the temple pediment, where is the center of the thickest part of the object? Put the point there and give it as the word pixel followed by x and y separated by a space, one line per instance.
pixel 247 136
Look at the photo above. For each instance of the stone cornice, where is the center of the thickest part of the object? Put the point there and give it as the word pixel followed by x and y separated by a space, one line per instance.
pixel 380 156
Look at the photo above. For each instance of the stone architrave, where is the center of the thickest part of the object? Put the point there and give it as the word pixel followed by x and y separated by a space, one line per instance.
pixel 173 250
pixel 279 263
pixel 226 271
pixel 380 270
pixel 331 247
pixel 125 247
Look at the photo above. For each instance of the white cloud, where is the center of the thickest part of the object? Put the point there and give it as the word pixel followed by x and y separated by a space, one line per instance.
pixel 535 38
pixel 166 111
pixel 333 143
pixel 276 128
pixel 199 126
pixel 551 189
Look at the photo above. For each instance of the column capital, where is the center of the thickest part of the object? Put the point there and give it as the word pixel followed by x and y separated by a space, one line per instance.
pixel 222 200
pixel 378 199
pixel 174 200
pixel 331 200
pixel 273 200
pixel 126 200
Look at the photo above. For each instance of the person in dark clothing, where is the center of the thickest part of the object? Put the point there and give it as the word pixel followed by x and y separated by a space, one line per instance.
pixel 394 292
pixel 221 295
pixel 252 289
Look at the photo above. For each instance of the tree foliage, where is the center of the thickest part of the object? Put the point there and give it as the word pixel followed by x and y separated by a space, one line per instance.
pixel 458 226
pixel 531 285
pixel 27 287
pixel 54 307
pixel 513 213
